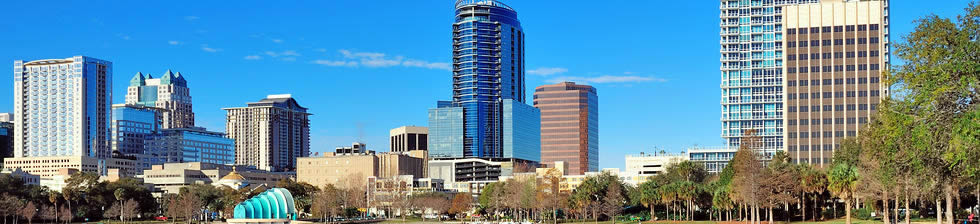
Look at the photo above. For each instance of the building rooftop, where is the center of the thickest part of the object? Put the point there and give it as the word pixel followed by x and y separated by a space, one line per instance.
pixel 497 3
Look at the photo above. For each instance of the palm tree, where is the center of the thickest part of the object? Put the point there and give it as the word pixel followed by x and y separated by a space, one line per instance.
pixel 842 181
pixel 813 181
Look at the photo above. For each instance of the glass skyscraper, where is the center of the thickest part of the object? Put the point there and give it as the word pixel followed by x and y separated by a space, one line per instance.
pixel 182 145
pixel 752 70
pixel 169 92
pixel 488 73
pixel 62 107
pixel 131 125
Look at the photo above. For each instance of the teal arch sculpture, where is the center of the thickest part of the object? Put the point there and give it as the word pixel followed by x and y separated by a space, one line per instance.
pixel 275 203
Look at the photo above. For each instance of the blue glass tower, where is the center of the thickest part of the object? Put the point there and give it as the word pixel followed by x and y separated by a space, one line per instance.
pixel 488 67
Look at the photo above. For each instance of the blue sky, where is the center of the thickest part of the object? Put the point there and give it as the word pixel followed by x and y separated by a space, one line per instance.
pixel 364 67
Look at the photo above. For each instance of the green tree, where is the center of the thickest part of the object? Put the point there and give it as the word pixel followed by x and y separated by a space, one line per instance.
pixel 842 181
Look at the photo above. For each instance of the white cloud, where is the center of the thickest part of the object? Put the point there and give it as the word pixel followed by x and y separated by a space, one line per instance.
pixel 253 57
pixel 425 64
pixel 277 40
pixel 209 49
pixel 381 60
pixel 191 18
pixel 607 79
pixel 173 42
pixel 289 53
pixel 335 63
pixel 547 71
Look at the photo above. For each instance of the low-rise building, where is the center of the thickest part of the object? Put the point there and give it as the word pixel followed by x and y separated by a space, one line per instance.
pixel 29 179
pixel 184 145
pixel 50 165
pixel 652 164
pixel 472 174
pixel 170 177
pixel 331 168
pixel 714 158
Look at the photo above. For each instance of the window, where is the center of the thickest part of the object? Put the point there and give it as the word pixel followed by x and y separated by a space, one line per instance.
pixel 826 56
pixel 826 68
pixel 839 29
pixel 862 107
pixel 792 122
pixel 851 94
pixel 839 107
pixel 815 121
pixel 862 80
pixel 874 40
pixel 791 70
pixel 850 54
pixel 863 120
pixel 801 31
pixel 862 54
pixel 826 42
pixel 874 106
pixel 791 57
pixel 863 67
pixel 803 56
pixel 862 93
pixel 791 44
pixel 839 134
pixel 874 53
pixel 849 28
pixel 815 95
pixel 815 55
pixel 815 30
pixel 873 27
pixel 804 109
pixel 825 29
pixel 828 120
pixel 804 122
pixel 815 134
pixel 815 69
pixel 838 42
pixel 791 83
pixel 850 80
pixel 851 107
pixel 875 67
pixel 827 81
pixel 804 134
pixel 875 79
pixel 875 92
pixel 803 70
pixel 792 109
pixel 850 68
pixel 862 27
pixel 790 31
pixel 838 81
pixel 803 44
pixel 827 108
pixel 862 40
pixel 851 133
pixel 838 55
pixel 791 96
pixel 815 109
pixel 792 135
pixel 804 82
pixel 804 96
pixel 838 120
pixel 851 120
pixel 814 43
pixel 849 41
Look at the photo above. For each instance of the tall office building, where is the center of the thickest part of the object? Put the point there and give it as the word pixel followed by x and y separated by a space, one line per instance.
pixel 271 133
pixel 754 61
pixel 569 125
pixel 131 126
pixel 408 138
pixel 62 107
pixel 168 92
pixel 488 83
pixel 835 52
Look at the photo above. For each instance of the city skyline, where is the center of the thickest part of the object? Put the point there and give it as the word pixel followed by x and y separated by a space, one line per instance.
pixel 332 129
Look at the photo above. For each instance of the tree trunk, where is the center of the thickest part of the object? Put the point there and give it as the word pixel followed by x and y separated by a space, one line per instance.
pixel 653 212
pixel 847 210
pixel 939 211
pixel 908 212
pixel 896 207
pixel 884 205
pixel 949 203
pixel 770 214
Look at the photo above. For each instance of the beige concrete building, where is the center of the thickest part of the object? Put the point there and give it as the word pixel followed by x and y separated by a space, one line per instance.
pixel 170 177
pixel 408 138
pixel 644 163
pixel 332 167
pixel 835 52
pixel 270 134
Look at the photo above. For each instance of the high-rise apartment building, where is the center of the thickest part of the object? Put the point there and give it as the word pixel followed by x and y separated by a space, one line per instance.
pixel 270 134
pixel 569 125
pixel 61 107
pixel 755 69
pixel 834 54
pixel 408 138
pixel 169 92
pixel 488 88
